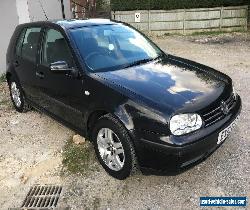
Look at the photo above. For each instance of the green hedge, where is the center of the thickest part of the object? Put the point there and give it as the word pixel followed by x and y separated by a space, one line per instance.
pixel 121 5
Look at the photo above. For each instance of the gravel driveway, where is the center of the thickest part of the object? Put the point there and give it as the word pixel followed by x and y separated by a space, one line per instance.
pixel 31 145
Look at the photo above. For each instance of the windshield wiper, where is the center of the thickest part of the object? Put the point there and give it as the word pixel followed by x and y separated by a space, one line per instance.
pixel 139 62
pixel 159 56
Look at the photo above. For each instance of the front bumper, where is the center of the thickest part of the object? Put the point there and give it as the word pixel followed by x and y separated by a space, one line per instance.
pixel 156 157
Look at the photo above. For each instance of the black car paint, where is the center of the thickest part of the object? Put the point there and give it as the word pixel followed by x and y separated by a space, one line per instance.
pixel 143 98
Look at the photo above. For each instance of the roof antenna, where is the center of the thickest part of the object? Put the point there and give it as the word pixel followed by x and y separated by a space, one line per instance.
pixel 43 9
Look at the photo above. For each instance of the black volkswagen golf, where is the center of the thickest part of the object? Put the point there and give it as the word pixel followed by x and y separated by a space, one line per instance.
pixel 141 108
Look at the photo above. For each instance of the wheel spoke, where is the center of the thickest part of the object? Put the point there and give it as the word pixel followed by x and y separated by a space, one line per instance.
pixel 119 151
pixel 106 133
pixel 109 135
pixel 104 155
pixel 102 142
pixel 116 161
pixel 117 145
pixel 109 158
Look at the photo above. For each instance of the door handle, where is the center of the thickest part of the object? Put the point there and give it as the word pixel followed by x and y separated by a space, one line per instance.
pixel 16 63
pixel 40 75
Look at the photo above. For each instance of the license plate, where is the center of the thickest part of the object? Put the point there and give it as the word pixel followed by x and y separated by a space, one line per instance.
pixel 225 133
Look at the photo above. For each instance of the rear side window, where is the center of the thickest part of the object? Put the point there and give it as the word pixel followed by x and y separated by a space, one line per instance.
pixel 30 44
pixel 20 43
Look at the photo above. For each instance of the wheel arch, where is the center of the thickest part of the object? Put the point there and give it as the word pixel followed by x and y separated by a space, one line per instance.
pixel 8 76
pixel 120 114
pixel 92 119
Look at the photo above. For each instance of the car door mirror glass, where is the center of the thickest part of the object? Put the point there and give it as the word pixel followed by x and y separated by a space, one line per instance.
pixel 60 66
pixel 63 67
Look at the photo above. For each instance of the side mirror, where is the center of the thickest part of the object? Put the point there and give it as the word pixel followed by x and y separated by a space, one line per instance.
pixel 60 66
pixel 63 67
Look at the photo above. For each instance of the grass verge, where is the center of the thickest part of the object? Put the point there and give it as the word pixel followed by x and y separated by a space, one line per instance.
pixel 2 78
pixel 78 159
pixel 215 33
pixel 206 33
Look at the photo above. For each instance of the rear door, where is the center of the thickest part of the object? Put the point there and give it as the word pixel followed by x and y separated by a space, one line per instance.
pixel 25 61
pixel 61 92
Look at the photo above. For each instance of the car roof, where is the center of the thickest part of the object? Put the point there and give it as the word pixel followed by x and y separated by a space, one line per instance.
pixel 73 23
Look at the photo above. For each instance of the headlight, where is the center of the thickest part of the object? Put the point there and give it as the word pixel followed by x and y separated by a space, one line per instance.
pixel 185 123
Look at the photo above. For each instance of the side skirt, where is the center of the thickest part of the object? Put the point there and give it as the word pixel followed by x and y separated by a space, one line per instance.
pixel 58 119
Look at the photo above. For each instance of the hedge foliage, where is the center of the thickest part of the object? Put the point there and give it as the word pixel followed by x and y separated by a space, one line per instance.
pixel 121 5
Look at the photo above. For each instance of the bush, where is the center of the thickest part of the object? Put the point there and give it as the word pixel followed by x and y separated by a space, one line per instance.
pixel 121 5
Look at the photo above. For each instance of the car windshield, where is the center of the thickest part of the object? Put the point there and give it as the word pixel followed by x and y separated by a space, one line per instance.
pixel 112 47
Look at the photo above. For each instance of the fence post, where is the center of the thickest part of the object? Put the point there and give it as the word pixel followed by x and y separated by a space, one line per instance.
pixel 149 21
pixel 247 17
pixel 113 15
pixel 184 20
pixel 221 17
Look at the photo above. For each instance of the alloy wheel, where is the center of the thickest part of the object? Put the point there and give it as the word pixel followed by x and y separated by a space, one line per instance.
pixel 110 149
pixel 15 94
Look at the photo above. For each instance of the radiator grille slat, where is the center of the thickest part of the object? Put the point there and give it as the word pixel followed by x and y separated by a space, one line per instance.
pixel 215 114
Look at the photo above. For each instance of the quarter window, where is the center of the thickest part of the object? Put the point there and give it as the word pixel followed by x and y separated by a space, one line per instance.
pixel 55 48
pixel 30 44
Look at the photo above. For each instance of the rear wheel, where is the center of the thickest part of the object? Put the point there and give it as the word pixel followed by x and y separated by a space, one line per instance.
pixel 113 147
pixel 17 96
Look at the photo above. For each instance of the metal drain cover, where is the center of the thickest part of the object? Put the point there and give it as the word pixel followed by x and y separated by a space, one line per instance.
pixel 42 197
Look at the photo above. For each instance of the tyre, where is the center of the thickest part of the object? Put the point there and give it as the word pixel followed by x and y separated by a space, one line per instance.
pixel 17 96
pixel 114 148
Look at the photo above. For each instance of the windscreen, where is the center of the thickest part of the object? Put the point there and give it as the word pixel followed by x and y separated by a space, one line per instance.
pixel 112 47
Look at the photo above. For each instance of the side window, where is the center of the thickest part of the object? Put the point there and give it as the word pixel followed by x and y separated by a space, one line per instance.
pixel 55 48
pixel 20 43
pixel 30 44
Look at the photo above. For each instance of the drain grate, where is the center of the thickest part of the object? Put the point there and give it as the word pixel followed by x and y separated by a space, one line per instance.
pixel 42 196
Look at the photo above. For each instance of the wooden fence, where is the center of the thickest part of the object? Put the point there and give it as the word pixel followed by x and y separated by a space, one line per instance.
pixel 186 20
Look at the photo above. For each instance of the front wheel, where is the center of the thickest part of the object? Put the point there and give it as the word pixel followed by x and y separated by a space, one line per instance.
pixel 114 148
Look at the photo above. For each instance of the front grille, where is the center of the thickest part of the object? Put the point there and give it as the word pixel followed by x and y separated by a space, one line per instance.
pixel 40 197
pixel 216 114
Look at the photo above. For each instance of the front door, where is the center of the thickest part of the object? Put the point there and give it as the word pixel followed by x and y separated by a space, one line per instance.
pixel 61 93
